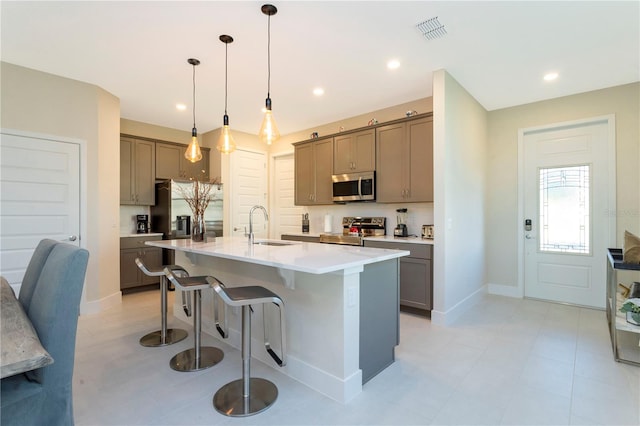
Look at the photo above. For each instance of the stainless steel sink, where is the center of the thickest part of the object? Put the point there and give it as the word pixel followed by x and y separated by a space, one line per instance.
pixel 272 243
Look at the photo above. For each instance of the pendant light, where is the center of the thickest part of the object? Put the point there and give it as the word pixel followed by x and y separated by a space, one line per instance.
pixel 226 144
pixel 193 152
pixel 268 130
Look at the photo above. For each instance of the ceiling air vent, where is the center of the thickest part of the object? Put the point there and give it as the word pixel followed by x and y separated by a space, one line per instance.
pixel 431 29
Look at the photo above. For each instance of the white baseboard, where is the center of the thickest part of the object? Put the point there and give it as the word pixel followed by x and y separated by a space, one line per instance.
pixel 505 290
pixel 448 317
pixel 95 306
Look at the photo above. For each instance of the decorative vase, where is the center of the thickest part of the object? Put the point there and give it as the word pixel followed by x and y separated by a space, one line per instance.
pixel 197 228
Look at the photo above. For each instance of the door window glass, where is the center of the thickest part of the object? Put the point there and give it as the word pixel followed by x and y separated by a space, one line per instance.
pixel 564 209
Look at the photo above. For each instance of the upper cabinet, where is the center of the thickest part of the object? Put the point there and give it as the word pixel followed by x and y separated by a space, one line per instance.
pixel 313 170
pixel 137 172
pixel 354 152
pixel 404 167
pixel 171 163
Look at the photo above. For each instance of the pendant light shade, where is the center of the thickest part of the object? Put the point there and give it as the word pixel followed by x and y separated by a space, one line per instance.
pixel 193 152
pixel 268 130
pixel 226 144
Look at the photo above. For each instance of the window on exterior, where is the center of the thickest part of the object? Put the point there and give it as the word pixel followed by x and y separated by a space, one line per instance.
pixel 564 210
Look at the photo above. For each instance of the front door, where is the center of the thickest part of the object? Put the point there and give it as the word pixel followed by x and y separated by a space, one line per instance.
pixel 565 225
pixel 40 198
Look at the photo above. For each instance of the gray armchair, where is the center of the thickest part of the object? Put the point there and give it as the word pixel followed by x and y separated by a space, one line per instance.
pixel 44 396
pixel 31 275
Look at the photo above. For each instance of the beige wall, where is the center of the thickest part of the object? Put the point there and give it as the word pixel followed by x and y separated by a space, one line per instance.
pixel 502 226
pixel 33 101
pixel 460 146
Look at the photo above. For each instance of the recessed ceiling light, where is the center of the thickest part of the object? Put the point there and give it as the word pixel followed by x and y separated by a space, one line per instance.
pixel 318 91
pixel 550 76
pixel 393 64
pixel 181 107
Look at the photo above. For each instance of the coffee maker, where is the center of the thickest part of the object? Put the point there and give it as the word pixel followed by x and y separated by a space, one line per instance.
pixel 401 228
pixel 142 225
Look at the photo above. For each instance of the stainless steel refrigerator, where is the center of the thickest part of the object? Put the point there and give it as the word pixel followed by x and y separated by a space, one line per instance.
pixel 171 215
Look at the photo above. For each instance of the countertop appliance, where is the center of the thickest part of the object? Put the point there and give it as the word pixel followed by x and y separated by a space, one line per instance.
pixel 427 232
pixel 142 224
pixel 354 187
pixel 401 228
pixel 172 215
pixel 354 229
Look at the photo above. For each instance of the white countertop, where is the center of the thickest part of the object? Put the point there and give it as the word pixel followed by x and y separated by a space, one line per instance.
pixel 312 258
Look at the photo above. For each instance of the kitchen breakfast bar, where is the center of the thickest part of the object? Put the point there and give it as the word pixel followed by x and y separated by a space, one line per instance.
pixel 342 304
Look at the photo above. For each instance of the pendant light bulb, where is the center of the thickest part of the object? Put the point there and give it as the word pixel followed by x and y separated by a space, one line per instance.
pixel 268 130
pixel 193 152
pixel 226 144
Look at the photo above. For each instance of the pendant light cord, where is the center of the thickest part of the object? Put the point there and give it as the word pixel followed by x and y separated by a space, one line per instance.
pixel 226 84
pixel 269 57
pixel 194 96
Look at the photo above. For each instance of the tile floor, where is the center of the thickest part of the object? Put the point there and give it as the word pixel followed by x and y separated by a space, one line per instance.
pixel 507 361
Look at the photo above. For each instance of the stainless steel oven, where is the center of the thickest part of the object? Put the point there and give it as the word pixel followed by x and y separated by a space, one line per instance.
pixel 354 187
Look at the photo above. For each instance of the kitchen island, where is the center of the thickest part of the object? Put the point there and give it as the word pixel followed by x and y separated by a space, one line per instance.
pixel 342 304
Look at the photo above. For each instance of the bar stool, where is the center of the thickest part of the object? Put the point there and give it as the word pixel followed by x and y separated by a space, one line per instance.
pixel 164 336
pixel 249 395
pixel 196 358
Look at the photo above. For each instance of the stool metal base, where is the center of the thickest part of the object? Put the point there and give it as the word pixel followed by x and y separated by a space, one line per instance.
pixel 186 360
pixel 228 400
pixel 154 339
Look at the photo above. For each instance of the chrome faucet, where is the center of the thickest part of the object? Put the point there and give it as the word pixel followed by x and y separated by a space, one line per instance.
pixel 266 217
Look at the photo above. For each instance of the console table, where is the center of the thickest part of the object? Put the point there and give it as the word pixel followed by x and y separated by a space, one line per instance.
pixel 625 337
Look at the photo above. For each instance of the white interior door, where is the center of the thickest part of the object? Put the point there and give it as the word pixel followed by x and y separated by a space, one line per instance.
pixel 248 178
pixel 39 198
pixel 566 227
pixel 286 218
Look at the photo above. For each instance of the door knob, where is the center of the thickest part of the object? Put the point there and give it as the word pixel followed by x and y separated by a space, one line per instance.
pixel 71 238
pixel 528 236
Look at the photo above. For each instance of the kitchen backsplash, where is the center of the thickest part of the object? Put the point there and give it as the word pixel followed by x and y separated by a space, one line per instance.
pixel 418 214
pixel 128 218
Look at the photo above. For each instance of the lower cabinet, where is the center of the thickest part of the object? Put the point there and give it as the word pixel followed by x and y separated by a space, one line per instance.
pixel 131 248
pixel 416 274
pixel 303 238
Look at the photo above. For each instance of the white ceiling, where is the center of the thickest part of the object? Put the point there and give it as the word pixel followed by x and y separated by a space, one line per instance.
pixel 499 51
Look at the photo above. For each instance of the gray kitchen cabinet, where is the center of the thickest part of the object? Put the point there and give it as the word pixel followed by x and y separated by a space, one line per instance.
pixel 404 161
pixel 354 152
pixel 132 247
pixel 171 163
pixel 137 172
pixel 416 273
pixel 313 170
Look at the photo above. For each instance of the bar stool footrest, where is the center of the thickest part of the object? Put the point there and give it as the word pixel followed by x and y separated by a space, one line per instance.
pixel 228 400
pixel 186 360
pixel 154 339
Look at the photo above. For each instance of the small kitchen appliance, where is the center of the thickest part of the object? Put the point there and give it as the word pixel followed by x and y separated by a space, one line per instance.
pixel 401 228
pixel 427 232
pixel 354 187
pixel 142 223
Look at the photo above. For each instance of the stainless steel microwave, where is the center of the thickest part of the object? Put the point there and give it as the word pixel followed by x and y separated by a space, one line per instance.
pixel 354 187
